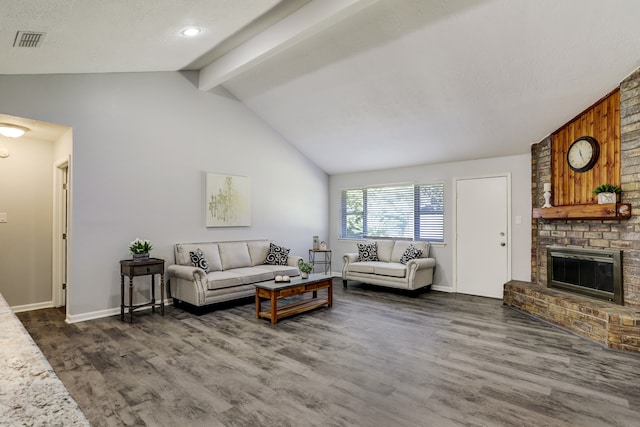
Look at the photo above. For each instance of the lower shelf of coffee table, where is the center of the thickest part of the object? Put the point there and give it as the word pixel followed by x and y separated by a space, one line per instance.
pixel 295 308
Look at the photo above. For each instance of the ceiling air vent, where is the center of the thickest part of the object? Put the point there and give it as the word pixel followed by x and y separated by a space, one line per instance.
pixel 28 39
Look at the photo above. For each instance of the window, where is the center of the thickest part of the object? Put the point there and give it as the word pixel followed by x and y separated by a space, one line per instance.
pixel 414 212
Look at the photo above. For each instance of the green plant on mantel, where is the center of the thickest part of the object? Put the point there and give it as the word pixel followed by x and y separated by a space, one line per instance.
pixel 607 188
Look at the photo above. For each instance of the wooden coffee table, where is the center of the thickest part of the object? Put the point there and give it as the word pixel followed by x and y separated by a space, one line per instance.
pixel 274 291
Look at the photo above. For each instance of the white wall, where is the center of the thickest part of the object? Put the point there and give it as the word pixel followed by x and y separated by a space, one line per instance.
pixel 518 166
pixel 141 145
pixel 25 240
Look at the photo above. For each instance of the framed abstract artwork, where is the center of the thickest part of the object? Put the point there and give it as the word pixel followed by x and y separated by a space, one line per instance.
pixel 227 200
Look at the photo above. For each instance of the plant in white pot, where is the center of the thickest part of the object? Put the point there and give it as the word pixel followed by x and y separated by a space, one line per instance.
pixel 305 268
pixel 140 249
pixel 607 193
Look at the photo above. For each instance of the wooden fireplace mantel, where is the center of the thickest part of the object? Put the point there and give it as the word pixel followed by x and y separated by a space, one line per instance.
pixel 591 211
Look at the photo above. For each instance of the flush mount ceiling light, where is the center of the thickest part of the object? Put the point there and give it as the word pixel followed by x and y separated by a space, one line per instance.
pixel 12 131
pixel 191 31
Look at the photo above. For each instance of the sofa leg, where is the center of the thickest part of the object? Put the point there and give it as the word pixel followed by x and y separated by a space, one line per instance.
pixel 344 283
pixel 414 293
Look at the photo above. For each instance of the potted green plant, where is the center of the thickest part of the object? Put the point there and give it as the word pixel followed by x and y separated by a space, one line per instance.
pixel 305 268
pixel 607 193
pixel 140 249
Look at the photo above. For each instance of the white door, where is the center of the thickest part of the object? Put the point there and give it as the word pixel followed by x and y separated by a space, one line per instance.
pixel 482 236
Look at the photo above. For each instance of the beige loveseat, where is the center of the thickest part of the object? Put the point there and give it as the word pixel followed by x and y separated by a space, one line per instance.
pixel 394 263
pixel 233 269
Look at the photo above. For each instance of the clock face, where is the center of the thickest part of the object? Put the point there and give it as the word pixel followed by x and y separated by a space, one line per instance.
pixel 583 154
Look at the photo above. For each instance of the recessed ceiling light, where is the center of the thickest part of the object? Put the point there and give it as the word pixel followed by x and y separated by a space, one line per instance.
pixel 191 31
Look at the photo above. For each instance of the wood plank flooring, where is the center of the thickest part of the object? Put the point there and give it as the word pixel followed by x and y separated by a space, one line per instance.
pixel 377 358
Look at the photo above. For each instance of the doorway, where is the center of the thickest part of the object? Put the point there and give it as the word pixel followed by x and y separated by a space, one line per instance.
pixel 483 235
pixel 60 237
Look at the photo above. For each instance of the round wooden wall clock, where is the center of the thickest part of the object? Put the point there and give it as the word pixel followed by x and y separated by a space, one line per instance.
pixel 583 154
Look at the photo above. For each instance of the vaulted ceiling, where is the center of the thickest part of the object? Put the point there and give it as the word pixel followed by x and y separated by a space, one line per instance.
pixel 357 84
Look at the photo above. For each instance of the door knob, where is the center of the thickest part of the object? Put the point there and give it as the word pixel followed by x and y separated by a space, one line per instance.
pixel 503 244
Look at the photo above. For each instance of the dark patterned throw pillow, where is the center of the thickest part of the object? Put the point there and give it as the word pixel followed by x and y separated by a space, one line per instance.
pixel 277 255
pixel 368 251
pixel 410 253
pixel 199 260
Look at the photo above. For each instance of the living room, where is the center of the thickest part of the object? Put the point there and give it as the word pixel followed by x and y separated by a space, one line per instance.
pixel 137 146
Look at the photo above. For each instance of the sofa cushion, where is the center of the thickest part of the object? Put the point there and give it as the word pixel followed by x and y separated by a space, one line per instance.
pixel 410 253
pixel 281 270
pixel 384 249
pixel 199 260
pixel 401 246
pixel 363 266
pixel 212 254
pixel 424 247
pixel 223 279
pixel 367 251
pixel 277 255
pixel 210 251
pixel 234 255
pixel 258 250
pixel 253 274
pixel 393 269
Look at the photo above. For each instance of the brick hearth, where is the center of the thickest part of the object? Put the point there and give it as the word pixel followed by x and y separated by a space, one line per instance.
pixel 612 325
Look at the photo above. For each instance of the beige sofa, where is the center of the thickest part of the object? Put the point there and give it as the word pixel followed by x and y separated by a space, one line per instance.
pixel 388 270
pixel 233 269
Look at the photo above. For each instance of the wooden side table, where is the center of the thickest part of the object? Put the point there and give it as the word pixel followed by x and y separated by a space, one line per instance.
pixel 321 261
pixel 131 268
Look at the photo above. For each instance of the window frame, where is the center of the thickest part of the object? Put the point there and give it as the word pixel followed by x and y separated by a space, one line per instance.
pixel 419 212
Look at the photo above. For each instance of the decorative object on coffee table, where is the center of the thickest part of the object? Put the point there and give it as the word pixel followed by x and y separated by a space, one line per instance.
pixel 305 268
pixel 607 193
pixel 140 249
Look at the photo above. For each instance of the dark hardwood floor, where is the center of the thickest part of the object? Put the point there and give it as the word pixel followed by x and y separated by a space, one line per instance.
pixel 377 358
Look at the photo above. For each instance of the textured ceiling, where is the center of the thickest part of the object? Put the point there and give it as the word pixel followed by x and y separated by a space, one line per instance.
pixel 359 84
pixel 96 36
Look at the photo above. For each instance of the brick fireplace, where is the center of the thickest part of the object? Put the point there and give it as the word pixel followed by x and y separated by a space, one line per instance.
pixel 616 326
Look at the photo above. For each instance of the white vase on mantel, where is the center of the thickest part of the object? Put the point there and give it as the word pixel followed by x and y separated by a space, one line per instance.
pixel 606 198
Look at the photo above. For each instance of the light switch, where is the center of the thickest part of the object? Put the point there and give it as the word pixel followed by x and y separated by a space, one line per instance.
pixel 3 217
pixel 518 219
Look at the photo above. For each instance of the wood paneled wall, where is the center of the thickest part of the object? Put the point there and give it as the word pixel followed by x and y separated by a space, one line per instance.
pixel 602 122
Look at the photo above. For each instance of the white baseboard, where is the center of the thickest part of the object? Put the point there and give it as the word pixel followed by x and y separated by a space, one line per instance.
pixel 31 307
pixel 71 318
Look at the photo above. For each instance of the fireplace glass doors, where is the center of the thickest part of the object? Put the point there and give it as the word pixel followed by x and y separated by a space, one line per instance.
pixel 591 272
